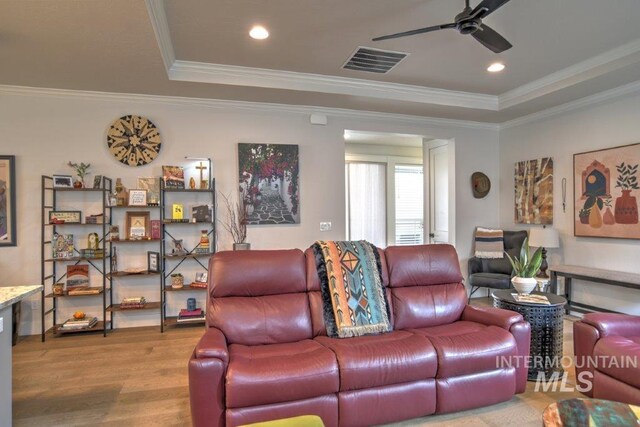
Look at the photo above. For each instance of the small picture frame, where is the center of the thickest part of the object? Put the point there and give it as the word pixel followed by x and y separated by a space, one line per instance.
pixel 97 181
pixel 137 197
pixel 153 262
pixel 114 233
pixel 152 185
pixel 137 225
pixel 93 241
pixel 201 277
pixel 65 217
pixel 62 181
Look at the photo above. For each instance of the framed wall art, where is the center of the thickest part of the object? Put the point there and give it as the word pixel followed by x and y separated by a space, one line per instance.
pixel 137 225
pixel 62 181
pixel 7 201
pixel 606 189
pixel 534 191
pixel 269 183
pixel 65 217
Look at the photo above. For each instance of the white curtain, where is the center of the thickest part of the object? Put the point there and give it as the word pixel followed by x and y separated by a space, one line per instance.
pixel 366 202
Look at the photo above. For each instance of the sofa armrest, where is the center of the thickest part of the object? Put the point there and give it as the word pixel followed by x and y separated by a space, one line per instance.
pixel 474 265
pixel 608 324
pixel 491 316
pixel 213 344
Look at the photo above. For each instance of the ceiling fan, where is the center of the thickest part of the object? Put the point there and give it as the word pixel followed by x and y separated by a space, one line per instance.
pixel 469 21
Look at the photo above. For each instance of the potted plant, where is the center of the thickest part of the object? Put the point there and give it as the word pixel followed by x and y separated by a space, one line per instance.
pixel 525 268
pixel 82 170
pixel 236 223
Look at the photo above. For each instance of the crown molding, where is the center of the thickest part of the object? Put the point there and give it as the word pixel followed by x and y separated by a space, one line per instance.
pixel 276 79
pixel 586 70
pixel 254 107
pixel 587 101
pixel 158 18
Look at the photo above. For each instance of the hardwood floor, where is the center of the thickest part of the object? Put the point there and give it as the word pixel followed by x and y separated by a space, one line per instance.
pixel 138 377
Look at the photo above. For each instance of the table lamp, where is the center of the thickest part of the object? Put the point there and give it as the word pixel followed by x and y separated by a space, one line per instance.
pixel 544 238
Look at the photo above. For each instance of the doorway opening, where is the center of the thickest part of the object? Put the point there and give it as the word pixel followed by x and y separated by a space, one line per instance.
pixel 399 188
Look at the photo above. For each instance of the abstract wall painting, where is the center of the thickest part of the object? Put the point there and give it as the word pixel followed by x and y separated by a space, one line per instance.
pixel 606 192
pixel 269 183
pixel 534 191
pixel 7 201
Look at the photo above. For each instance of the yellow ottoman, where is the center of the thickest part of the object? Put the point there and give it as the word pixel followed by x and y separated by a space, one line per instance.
pixel 301 421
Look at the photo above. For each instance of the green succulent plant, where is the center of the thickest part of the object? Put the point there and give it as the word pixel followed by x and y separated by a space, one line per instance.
pixel 527 265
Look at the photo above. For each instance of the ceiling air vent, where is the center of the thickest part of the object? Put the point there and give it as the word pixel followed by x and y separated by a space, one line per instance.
pixel 374 60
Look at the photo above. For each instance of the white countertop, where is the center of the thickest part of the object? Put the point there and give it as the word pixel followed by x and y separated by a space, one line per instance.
pixel 13 294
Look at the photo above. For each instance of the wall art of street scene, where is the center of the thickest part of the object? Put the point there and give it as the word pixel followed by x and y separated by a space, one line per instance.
pixel 269 183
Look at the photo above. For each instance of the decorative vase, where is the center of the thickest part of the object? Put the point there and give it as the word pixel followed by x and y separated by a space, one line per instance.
pixel 77 184
pixel 524 285
pixel 626 209
pixel 595 219
pixel 177 282
pixel 241 246
pixel 584 218
pixel 608 217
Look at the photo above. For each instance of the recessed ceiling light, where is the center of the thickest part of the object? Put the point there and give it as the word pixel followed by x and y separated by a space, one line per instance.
pixel 495 67
pixel 259 32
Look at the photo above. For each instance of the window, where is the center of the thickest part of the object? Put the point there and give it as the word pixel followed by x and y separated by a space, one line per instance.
pixel 409 209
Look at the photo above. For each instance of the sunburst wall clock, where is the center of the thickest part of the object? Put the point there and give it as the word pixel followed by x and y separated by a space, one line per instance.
pixel 134 140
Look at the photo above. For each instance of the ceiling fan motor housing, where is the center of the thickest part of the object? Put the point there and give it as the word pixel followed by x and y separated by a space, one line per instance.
pixel 465 24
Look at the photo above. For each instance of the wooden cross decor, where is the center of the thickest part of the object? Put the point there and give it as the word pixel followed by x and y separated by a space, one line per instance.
pixel 203 183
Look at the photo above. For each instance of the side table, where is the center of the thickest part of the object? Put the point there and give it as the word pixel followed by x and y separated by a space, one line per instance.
pixel 546 329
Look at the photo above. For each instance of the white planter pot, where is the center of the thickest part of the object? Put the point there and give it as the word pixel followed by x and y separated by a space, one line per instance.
pixel 524 285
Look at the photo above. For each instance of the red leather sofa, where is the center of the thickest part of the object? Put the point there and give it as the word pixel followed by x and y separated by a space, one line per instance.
pixel 265 354
pixel 607 350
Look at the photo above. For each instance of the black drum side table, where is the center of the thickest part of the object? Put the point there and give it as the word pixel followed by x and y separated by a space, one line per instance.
pixel 546 330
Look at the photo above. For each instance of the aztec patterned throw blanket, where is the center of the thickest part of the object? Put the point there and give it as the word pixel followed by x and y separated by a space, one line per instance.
pixel 352 292
pixel 489 243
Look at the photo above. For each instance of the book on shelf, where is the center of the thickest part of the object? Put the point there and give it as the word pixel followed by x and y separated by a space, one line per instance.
pixel 84 291
pixel 155 229
pixel 191 313
pixel 192 319
pixel 77 276
pixel 62 245
pixel 92 253
pixel 531 298
pixel 172 221
pixel 73 324
pixel 133 302
pixel 199 285
pixel 94 219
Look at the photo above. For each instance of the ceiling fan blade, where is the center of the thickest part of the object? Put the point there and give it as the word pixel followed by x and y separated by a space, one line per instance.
pixel 491 39
pixel 486 7
pixel 414 32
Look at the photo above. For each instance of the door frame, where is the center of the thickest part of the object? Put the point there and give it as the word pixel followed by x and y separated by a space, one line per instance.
pixel 427 145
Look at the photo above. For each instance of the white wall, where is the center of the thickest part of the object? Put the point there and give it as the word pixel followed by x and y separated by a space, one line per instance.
pixel 45 130
pixel 604 125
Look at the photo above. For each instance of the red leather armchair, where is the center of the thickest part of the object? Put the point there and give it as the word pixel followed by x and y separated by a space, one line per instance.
pixel 607 350
pixel 266 355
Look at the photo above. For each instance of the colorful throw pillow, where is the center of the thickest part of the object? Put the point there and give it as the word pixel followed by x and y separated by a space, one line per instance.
pixel 353 295
pixel 489 243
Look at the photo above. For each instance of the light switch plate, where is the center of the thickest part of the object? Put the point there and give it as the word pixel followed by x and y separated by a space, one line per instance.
pixel 325 226
pixel 1 324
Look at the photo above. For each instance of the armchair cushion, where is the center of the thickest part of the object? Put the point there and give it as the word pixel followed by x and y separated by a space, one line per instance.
pixel 615 356
pixel 264 374
pixel 490 280
pixel 380 360
pixel 613 324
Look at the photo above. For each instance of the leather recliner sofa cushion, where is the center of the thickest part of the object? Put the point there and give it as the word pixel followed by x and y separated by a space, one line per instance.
pixel 259 375
pixel 379 360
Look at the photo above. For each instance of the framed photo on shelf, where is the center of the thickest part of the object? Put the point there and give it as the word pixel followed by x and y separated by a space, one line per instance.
pixel 65 217
pixel 62 181
pixel 97 181
pixel 173 177
pixel 137 197
pixel 137 225
pixel 153 262
pixel 152 185
pixel 7 201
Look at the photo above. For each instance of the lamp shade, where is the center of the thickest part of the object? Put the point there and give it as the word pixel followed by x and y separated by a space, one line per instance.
pixel 546 237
